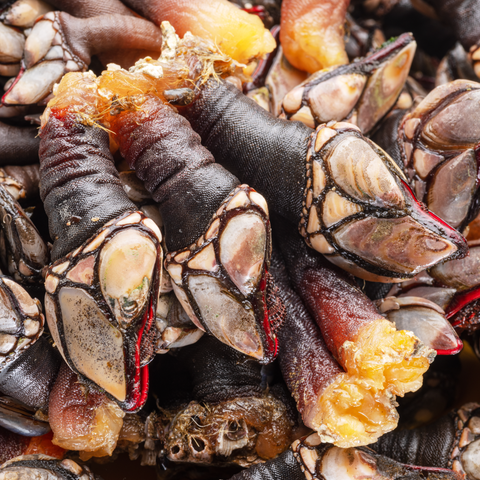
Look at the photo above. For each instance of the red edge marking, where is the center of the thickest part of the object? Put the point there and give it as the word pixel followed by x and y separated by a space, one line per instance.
pixel 272 342
pixel 140 382
pixel 453 351
pixel 429 469
pixel 258 10
pixel 459 301
pixel 428 212
pixel 19 76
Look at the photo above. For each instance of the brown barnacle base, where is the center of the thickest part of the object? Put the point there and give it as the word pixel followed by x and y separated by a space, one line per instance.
pixel 233 252
pixel 242 431
pixel 359 212
pixel 359 406
pixel 90 284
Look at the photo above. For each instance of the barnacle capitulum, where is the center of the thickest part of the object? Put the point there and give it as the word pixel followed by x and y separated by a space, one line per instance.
pixel 59 43
pixel 351 403
pixel 24 251
pixel 21 321
pixel 239 235
pixel 360 93
pixel 230 418
pixel 450 442
pixel 439 148
pixel 308 458
pixel 44 467
pixel 242 430
pixel 108 341
pixel 425 319
pixel 11 50
pixel 360 213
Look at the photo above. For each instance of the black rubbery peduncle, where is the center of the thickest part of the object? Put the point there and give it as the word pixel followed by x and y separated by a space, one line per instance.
pixel 80 186
pixel 265 152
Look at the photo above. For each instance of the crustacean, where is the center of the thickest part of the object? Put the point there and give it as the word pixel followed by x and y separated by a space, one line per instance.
pixel 219 212
pixel 44 467
pixel 98 234
pixel 358 337
pixel 231 417
pixel 315 186
pixel 436 145
pixel 110 309
pixel 450 442
pixel 308 458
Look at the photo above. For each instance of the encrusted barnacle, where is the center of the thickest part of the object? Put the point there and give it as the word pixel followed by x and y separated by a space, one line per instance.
pixel 362 215
pixel 361 92
pixel 92 306
pixel 235 249
pixel 438 143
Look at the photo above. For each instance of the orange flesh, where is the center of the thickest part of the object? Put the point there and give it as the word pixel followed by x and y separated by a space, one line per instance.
pixel 312 33
pixel 102 436
pixel 99 100
pixel 239 34
pixel 359 406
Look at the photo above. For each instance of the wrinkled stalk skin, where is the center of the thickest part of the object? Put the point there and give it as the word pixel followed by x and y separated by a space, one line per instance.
pixel 429 446
pixel 219 372
pixel 177 170
pixel 328 292
pixel 18 145
pixel 263 151
pixel 462 16
pixel 306 363
pixel 80 188
pixel 30 377
pixel 11 445
pixel 284 467
pixel 90 36
pixel 308 458
pixel 91 8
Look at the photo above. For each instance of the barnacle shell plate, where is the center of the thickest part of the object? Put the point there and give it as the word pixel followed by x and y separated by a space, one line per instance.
pixel 227 319
pixel 242 250
pixel 125 272
pixel 95 346
pixel 361 173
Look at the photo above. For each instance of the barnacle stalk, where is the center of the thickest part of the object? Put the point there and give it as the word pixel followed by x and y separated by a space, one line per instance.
pixel 101 319
pixel 352 403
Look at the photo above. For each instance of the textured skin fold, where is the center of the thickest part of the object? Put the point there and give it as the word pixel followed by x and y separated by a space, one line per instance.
pixel 336 303
pixel 265 152
pixel 306 363
pixel 18 145
pixel 91 8
pixel 428 446
pixel 219 372
pixel 80 186
pixel 90 36
pixel 30 377
pixel 284 467
pixel 177 170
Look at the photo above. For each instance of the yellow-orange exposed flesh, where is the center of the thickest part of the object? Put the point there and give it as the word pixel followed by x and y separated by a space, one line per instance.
pixel 359 406
pixel 312 33
pixel 239 34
